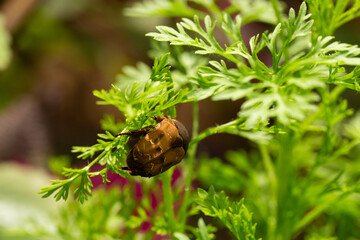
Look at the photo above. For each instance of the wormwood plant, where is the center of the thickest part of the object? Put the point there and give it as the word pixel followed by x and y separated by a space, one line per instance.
pixel 300 180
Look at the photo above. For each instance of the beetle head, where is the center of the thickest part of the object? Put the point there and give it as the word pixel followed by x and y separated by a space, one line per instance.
pixel 183 133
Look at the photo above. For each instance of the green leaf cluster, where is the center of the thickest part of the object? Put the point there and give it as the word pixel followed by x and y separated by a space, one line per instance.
pixel 234 215
pixel 151 97
pixel 330 15
pixel 283 90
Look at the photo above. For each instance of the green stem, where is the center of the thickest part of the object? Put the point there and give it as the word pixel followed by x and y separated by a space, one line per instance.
pixel 98 158
pixel 215 10
pixel 286 178
pixel 269 167
pixel 275 5
pixel 168 201
pixel 171 111
pixel 211 131
pixel 183 212
pixel 323 154
pixel 317 211
pixel 270 172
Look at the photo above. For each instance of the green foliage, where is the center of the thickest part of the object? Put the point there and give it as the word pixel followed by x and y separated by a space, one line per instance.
pixel 234 177
pixel 234 215
pixel 303 166
pixel 89 221
pixel 151 97
pixel 330 15
pixel 202 232
pixel 285 90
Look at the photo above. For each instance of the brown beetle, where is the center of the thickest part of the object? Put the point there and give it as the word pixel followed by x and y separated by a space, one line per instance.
pixel 161 147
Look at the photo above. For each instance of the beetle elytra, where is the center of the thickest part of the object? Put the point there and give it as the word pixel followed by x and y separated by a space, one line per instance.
pixel 160 147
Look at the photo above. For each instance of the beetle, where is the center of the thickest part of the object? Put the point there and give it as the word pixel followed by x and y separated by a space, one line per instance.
pixel 155 149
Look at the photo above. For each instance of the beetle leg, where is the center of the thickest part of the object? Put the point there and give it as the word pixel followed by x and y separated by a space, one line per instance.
pixel 127 169
pixel 136 133
pixel 159 118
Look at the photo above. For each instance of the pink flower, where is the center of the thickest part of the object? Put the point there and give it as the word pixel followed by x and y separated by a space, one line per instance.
pixel 115 179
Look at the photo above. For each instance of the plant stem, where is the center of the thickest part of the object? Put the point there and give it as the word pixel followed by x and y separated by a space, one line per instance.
pixel 211 131
pixel 183 214
pixel 168 201
pixel 317 211
pixel 269 167
pixel 284 196
pixel 166 177
pixel 97 159
pixel 275 5
pixel 270 172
